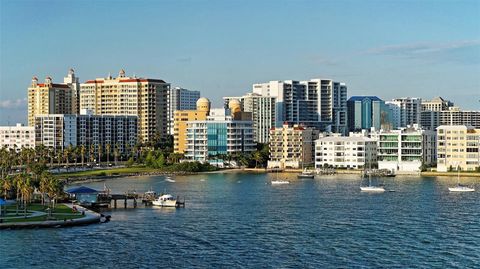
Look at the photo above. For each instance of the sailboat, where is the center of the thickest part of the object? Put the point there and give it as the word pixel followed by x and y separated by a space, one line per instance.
pixel 279 182
pixel 371 188
pixel 459 187
pixel 305 173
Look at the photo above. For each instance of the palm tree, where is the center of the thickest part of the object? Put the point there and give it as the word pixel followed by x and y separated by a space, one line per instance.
pixel 257 156
pixel 82 153
pixel 99 153
pixel 17 183
pixel 43 186
pixel 92 153
pixel 108 148
pixel 26 190
pixel 54 188
pixel 6 185
pixel 116 152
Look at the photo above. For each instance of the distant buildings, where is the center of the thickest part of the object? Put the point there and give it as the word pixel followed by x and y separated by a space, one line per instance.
pixel 263 113
pixel 142 97
pixel 291 146
pixel 406 149
pixel 181 119
pixel 405 111
pixel 356 152
pixel 365 112
pixel 317 103
pixel 180 99
pixel 458 147
pixel 17 137
pixel 50 98
pixel 60 131
pixel 436 104
pixel 224 133
pixel 453 116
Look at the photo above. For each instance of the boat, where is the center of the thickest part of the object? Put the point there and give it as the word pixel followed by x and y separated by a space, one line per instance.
pixel 306 174
pixel 169 179
pixel 371 188
pixel 165 200
pixel 460 187
pixel 280 182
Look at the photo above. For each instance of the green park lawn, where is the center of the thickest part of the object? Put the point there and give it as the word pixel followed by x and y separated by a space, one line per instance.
pixel 60 212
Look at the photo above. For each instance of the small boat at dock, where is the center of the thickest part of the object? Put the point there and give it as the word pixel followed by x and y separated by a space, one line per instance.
pixel 166 200
pixel 306 174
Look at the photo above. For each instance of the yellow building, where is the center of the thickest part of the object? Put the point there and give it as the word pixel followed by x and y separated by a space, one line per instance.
pixel 181 117
pixel 49 98
pixel 458 146
pixel 142 97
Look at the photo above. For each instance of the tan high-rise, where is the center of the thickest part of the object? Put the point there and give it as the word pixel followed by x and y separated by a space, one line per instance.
pixel 49 98
pixel 181 117
pixel 142 97
pixel 458 146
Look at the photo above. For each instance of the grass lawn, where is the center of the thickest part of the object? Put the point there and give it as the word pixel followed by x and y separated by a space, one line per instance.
pixel 60 212
pixel 44 218
pixel 108 172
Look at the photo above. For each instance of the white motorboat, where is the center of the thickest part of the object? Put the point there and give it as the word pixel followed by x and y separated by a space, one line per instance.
pixel 280 182
pixel 460 187
pixel 372 189
pixel 165 200
pixel 169 179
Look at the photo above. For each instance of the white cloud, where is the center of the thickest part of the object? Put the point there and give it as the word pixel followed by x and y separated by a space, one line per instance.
pixel 422 48
pixel 12 104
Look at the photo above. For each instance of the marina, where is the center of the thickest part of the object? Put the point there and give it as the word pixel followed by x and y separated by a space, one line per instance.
pixel 232 215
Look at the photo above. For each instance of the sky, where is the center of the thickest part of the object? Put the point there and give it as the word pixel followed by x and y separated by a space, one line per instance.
pixel 385 48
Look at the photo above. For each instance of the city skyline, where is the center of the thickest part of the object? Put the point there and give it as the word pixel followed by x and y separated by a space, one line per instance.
pixel 223 48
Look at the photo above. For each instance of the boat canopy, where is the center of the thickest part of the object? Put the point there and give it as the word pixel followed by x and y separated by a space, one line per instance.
pixel 81 190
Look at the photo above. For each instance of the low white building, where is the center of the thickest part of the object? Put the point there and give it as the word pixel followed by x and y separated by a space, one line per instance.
pixel 406 149
pixel 17 137
pixel 356 152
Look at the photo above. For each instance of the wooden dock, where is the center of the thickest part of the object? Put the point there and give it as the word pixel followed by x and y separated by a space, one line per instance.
pixel 105 200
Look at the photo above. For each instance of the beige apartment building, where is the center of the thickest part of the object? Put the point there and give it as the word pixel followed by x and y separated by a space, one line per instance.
pixel 458 146
pixel 291 146
pixel 182 117
pixel 49 98
pixel 142 97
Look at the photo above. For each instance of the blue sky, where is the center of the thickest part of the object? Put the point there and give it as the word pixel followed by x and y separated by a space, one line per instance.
pixel 384 48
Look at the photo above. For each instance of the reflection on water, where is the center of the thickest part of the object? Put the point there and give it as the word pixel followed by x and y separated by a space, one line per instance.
pixel 240 220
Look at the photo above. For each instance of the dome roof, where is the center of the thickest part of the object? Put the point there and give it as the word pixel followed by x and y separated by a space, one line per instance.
pixel 203 104
pixel 235 106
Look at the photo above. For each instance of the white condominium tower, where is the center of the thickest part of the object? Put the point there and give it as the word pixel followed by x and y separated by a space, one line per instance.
pixel 263 113
pixel 180 99
pixel 318 103
pixel 405 111
pixel 142 97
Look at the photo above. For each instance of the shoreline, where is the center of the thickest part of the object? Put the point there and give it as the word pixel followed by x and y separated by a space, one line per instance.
pixel 91 217
pixel 99 178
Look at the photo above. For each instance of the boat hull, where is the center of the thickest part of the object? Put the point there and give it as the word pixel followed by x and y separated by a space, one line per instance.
pixel 372 189
pixel 305 176
pixel 168 203
pixel 461 189
pixel 280 182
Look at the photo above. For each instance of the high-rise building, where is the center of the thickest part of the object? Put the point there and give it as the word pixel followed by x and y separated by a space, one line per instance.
pixel 72 81
pixel 405 111
pixel 436 104
pixel 458 147
pixel 291 146
pixel 49 98
pixel 356 152
pixel 56 131
pixel 182 117
pixel 317 103
pixel 263 113
pixel 365 112
pixel 142 97
pixel 224 132
pixel 17 137
pixel 59 131
pixel 453 116
pixel 406 149
pixel 180 99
